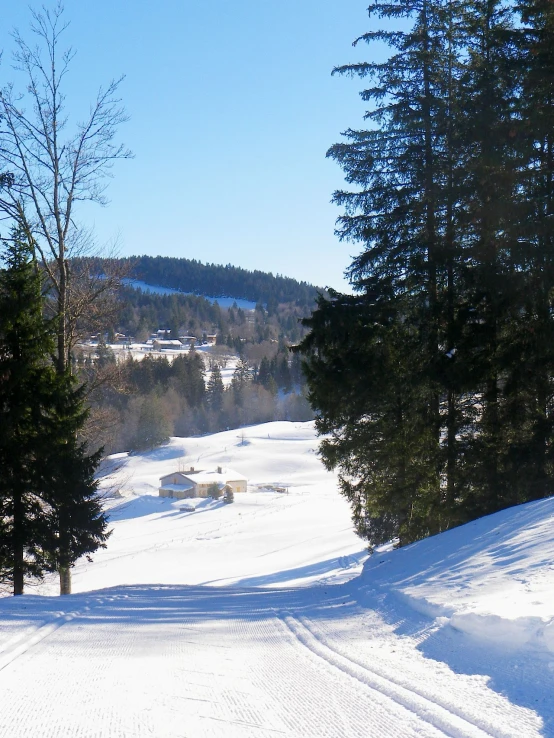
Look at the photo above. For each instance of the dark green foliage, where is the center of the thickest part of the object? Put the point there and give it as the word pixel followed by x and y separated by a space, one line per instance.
pixel 50 514
pixel 188 374
pixel 434 384
pixel 27 383
pixel 154 425
pixel 214 491
pixel 215 391
pixel 360 375
pixel 189 275
pixel 72 509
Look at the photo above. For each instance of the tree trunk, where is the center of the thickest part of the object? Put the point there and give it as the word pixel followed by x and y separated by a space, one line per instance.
pixel 65 580
pixel 18 548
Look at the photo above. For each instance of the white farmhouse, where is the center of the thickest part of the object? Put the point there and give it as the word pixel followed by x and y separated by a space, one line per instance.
pixel 193 483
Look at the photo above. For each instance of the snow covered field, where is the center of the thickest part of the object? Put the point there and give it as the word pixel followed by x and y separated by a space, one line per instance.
pixel 266 618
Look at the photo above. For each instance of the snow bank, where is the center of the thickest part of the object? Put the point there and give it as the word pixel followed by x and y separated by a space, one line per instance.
pixel 492 579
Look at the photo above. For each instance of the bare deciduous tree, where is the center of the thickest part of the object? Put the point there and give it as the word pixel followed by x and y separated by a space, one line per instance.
pixel 48 165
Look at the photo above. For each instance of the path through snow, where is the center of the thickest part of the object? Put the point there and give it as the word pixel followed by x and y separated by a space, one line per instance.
pixel 201 661
pixel 259 620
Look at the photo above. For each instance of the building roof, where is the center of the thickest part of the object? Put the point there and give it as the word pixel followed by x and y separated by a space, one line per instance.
pixel 168 343
pixel 205 477
pixel 209 477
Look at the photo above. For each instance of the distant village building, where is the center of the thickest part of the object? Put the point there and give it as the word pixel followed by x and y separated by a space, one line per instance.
pixel 192 483
pixel 164 345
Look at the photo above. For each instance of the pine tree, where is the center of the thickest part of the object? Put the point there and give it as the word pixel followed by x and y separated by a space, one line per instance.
pixel 390 448
pixel 215 391
pixel 453 328
pixel 241 377
pixel 358 366
pixel 73 512
pixel 531 390
pixel 154 425
pixel 27 382
pixel 50 512
pixel 489 86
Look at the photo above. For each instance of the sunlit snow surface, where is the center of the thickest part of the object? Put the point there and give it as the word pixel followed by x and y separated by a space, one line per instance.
pixel 224 302
pixel 260 619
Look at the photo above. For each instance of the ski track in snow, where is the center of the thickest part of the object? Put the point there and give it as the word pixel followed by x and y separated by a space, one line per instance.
pixel 201 661
pixel 259 623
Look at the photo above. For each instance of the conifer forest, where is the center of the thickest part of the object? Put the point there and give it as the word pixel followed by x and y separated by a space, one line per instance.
pixel 433 381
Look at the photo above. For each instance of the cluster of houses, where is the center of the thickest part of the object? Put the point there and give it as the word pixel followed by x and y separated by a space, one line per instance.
pixel 199 483
pixel 159 341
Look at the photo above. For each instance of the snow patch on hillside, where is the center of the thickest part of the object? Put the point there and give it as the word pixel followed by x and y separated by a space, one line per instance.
pixel 224 302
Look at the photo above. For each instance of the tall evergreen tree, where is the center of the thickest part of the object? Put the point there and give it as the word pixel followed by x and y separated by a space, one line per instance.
pixel 215 391
pixel 452 326
pixel 50 512
pixel 488 87
pixel 27 381
pixel 531 390
pixel 400 207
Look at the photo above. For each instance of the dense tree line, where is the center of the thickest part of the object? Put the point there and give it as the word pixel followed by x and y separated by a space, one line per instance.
pixel 434 381
pixel 50 514
pixel 214 280
pixel 154 398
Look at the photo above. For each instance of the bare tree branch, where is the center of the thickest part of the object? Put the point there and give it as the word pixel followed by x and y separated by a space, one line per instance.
pixel 47 168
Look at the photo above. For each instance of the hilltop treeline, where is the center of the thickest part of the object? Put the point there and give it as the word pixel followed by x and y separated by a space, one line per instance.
pixel 216 280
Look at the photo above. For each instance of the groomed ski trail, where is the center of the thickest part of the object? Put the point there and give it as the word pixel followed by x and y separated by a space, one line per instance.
pixel 174 661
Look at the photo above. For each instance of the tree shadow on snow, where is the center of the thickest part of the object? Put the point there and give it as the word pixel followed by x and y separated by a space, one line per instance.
pixel 525 678
pixel 523 675
pixel 318 569
pixel 138 507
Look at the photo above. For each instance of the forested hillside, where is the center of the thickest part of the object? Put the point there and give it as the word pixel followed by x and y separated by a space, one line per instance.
pixel 137 405
pixel 215 280
pixel 140 404
pixel 141 313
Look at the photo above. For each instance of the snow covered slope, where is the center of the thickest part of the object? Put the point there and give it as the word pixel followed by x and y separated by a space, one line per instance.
pixel 493 577
pixel 264 538
pixel 261 618
pixel 224 302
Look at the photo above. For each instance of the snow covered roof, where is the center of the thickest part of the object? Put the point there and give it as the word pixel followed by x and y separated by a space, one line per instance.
pixel 167 343
pixel 221 476
pixel 209 477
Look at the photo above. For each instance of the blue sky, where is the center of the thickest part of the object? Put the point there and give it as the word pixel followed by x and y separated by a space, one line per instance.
pixel 232 107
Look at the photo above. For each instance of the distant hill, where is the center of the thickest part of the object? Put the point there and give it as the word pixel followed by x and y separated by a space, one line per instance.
pixel 215 280
pixel 281 302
